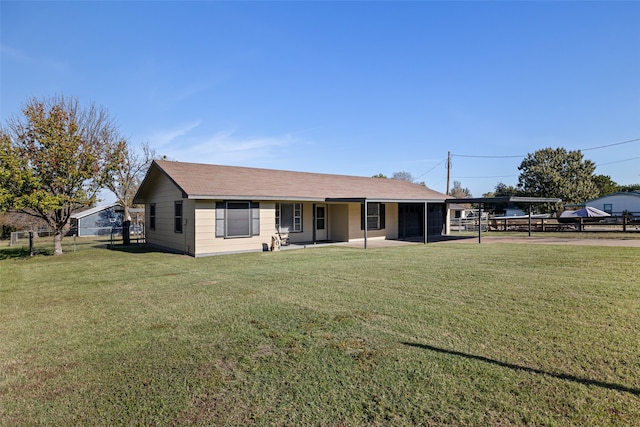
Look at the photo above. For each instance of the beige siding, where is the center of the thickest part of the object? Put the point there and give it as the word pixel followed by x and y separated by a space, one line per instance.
pixel 208 244
pixel 391 223
pixel 164 194
pixel 391 220
pixel 338 222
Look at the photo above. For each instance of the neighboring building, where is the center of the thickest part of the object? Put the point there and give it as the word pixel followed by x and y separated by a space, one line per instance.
pixel 513 211
pixel 618 203
pixel 97 221
pixel 459 211
pixel 200 209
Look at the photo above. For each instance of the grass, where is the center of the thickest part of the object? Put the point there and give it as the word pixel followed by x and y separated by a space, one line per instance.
pixel 453 334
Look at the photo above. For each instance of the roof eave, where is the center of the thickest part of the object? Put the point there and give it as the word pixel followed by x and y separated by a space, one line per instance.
pixel 253 197
pixel 138 198
pixel 380 200
pixel 506 199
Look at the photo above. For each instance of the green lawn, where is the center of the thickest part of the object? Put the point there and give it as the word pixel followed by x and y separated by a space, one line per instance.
pixel 457 334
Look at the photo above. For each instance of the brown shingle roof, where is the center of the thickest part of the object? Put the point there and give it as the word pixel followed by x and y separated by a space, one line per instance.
pixel 215 181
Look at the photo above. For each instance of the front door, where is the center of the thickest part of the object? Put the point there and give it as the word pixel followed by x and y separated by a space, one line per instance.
pixel 321 223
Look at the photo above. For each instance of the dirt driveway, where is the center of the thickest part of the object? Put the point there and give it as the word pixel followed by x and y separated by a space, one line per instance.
pixel 489 239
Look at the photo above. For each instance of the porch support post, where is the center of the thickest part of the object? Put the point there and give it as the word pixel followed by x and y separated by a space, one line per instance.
pixel 314 223
pixel 447 219
pixel 479 222
pixel 366 223
pixel 530 208
pixel 426 223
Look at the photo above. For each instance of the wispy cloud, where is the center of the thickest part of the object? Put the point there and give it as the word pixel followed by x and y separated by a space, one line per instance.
pixel 229 148
pixel 166 137
pixel 14 53
pixel 24 57
pixel 189 91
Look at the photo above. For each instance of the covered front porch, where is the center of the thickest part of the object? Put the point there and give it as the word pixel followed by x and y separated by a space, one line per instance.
pixel 360 222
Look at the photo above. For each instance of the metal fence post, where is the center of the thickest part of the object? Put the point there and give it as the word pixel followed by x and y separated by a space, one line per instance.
pixel 31 253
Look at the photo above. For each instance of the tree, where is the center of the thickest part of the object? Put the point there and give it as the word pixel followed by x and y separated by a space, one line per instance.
pixel 458 192
pixel 557 173
pixel 504 190
pixel 55 155
pixel 407 176
pixel 379 175
pixel 626 188
pixel 605 185
pixel 127 174
pixel 403 175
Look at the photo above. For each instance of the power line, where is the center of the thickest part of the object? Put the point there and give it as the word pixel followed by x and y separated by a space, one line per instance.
pixel 611 145
pixel 617 161
pixel 441 162
pixel 521 156
pixel 480 177
pixel 487 157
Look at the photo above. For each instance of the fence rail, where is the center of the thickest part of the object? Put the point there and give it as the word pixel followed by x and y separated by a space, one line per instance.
pixel 469 224
pixel 42 240
pixel 623 223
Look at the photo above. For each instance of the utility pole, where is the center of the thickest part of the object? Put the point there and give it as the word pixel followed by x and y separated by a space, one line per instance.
pixel 448 170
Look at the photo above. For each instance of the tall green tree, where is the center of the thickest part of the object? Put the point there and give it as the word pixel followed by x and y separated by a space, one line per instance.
pixel 503 190
pixel 557 173
pixel 53 159
pixel 631 187
pixel 605 185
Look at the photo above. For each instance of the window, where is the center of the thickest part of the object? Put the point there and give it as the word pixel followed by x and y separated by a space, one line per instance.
pixel 177 215
pixel 237 219
pixel 608 208
pixel 289 217
pixel 375 216
pixel 320 217
pixel 152 216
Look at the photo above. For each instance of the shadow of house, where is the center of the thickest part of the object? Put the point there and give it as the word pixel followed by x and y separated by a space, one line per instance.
pixel 558 375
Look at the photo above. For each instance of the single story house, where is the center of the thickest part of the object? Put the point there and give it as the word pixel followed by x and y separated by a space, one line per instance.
pixel 96 221
pixel 203 209
pixel 617 203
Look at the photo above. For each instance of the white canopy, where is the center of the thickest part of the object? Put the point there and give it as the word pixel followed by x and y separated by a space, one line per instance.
pixel 587 212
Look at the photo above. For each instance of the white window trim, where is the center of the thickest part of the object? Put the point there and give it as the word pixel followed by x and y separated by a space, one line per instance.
pixel 296 219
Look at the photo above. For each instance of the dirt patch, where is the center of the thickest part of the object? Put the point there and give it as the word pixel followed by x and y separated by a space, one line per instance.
pixel 488 239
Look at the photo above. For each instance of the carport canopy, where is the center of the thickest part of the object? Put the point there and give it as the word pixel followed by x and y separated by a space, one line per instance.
pixel 482 201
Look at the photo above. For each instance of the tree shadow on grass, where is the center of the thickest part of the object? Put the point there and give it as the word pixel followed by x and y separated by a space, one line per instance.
pixel 566 377
pixel 21 252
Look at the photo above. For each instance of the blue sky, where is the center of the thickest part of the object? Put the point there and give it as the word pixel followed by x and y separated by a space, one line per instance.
pixel 355 88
